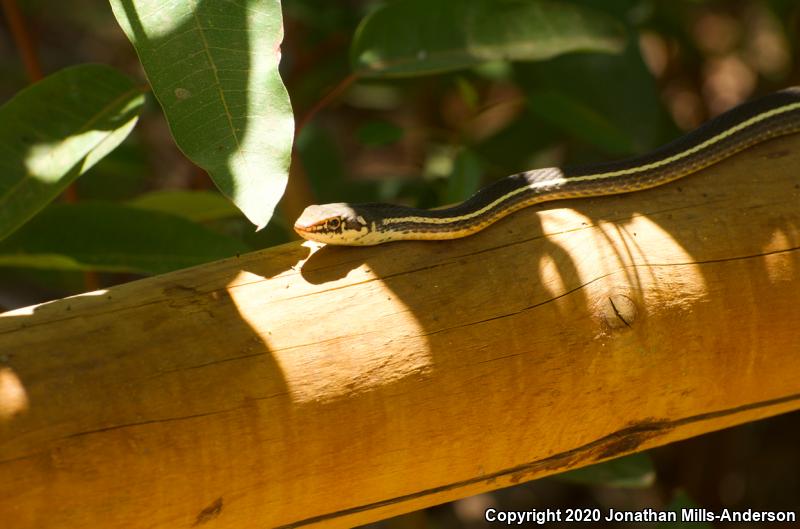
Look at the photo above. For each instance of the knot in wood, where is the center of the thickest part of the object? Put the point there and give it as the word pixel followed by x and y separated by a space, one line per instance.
pixel 619 311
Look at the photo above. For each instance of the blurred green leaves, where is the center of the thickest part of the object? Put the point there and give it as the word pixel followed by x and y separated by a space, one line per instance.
pixel 114 238
pixel 580 120
pixel 197 206
pixel 419 37
pixel 377 133
pixel 55 130
pixel 679 502
pixel 465 178
pixel 213 66
pixel 621 113
pixel 632 471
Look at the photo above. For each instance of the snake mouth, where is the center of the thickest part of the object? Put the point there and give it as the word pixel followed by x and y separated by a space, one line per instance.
pixel 306 232
pixel 309 233
pixel 301 228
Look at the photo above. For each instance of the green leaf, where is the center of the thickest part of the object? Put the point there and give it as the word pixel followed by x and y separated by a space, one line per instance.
pixel 468 93
pixel 580 120
pixel 633 471
pixel 419 37
pixel 197 206
pixel 679 502
pixel 55 130
pixel 213 67
pixel 110 237
pixel 465 179
pixel 123 174
pixel 376 133
pixel 620 113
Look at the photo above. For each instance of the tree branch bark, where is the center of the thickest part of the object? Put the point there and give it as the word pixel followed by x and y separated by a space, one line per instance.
pixel 302 386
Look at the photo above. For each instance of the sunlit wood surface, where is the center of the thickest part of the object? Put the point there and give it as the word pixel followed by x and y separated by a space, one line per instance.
pixel 304 386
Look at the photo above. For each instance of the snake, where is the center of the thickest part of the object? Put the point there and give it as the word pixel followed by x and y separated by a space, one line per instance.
pixel 752 122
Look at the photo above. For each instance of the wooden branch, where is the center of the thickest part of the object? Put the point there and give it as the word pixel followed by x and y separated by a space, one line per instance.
pixel 293 387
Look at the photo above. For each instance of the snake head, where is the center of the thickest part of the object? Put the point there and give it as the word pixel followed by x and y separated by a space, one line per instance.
pixel 334 224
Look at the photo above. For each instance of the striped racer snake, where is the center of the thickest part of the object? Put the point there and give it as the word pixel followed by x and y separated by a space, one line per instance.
pixel 753 122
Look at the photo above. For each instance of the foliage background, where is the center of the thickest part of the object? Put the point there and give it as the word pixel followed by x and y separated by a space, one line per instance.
pixel 433 140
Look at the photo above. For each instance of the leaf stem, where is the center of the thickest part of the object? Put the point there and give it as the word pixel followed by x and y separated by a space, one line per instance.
pixel 22 39
pixel 326 100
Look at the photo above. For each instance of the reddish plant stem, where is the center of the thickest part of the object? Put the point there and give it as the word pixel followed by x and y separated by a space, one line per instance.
pixel 33 69
pixel 22 39
pixel 326 100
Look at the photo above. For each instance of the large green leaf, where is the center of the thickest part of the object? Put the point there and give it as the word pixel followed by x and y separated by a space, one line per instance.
pixel 213 66
pixel 55 130
pixel 197 206
pixel 110 237
pixel 418 37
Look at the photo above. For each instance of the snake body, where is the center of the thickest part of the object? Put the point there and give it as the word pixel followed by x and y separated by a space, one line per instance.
pixel 753 122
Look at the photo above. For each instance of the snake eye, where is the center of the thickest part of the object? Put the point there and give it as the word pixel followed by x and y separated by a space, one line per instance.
pixel 333 224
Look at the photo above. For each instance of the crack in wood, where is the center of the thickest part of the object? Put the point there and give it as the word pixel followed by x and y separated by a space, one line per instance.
pixel 611 445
